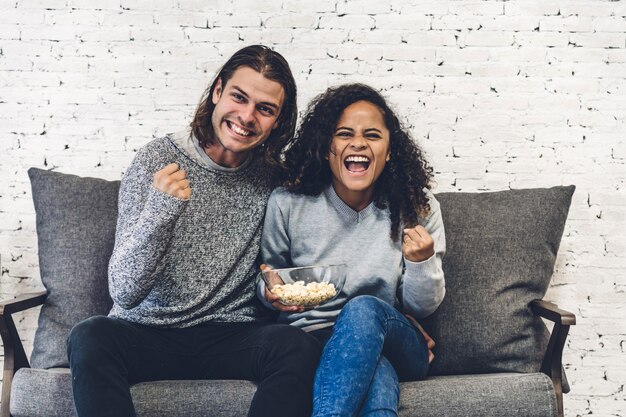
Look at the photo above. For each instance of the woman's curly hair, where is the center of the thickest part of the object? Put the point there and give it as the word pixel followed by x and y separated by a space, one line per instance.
pixel 400 187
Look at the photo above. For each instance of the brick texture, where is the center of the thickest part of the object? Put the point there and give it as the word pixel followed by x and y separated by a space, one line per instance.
pixel 501 94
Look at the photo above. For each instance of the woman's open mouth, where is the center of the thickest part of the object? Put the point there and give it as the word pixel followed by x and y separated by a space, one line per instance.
pixel 357 163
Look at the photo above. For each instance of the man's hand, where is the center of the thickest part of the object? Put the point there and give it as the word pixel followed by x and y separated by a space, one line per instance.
pixel 417 244
pixel 172 181
pixel 429 341
pixel 273 299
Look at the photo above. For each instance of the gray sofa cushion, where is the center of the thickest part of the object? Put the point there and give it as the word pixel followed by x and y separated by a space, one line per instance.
pixel 490 395
pixel 76 220
pixel 501 249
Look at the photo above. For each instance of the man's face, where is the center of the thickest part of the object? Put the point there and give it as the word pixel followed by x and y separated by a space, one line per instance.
pixel 246 111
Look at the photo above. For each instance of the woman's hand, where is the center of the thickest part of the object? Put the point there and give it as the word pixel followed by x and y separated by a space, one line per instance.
pixel 417 244
pixel 429 341
pixel 272 298
pixel 172 181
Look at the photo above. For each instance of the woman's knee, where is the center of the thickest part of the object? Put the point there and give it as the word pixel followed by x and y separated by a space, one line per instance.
pixel 364 307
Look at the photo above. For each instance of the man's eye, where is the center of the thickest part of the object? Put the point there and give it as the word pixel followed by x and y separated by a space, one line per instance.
pixel 268 111
pixel 238 97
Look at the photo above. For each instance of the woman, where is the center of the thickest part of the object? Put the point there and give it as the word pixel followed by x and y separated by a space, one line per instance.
pixel 356 191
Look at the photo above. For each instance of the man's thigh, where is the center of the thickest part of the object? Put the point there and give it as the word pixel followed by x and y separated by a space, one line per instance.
pixel 143 353
pixel 246 350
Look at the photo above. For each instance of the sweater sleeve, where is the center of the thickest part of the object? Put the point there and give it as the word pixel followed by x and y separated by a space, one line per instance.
pixel 275 241
pixel 146 219
pixel 422 287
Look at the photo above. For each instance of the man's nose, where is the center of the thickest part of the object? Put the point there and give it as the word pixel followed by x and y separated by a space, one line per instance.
pixel 247 114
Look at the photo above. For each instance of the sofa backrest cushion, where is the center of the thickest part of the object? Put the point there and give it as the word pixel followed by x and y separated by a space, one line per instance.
pixel 501 250
pixel 76 220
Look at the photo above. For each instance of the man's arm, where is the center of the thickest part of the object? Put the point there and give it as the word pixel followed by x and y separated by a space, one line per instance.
pixel 149 206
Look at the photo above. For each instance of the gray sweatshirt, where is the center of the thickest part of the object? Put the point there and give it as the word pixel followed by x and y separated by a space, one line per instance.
pixel 179 263
pixel 304 230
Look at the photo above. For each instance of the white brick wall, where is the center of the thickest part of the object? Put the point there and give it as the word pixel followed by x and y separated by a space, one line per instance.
pixel 502 94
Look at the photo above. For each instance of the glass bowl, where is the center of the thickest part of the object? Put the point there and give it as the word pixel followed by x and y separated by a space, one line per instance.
pixel 308 286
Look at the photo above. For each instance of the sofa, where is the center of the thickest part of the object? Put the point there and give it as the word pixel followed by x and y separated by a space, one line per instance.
pixel 494 353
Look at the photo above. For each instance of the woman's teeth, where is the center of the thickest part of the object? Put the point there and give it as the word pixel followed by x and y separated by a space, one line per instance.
pixel 357 163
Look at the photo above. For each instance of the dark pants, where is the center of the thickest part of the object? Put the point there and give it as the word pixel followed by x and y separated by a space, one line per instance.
pixel 107 355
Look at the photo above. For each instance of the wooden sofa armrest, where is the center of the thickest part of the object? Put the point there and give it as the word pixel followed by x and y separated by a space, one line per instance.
pixel 552 364
pixel 14 355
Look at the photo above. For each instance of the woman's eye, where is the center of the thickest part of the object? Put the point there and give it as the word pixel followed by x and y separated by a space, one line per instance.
pixel 343 134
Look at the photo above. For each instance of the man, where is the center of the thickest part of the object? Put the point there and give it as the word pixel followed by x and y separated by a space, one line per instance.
pixel 182 271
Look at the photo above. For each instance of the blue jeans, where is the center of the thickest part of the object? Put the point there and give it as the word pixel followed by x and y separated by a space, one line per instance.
pixel 373 346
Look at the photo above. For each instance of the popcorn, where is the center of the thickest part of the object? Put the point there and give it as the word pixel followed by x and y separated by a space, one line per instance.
pixel 309 295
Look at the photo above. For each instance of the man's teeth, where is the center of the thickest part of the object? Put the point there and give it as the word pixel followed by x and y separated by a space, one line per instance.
pixel 239 130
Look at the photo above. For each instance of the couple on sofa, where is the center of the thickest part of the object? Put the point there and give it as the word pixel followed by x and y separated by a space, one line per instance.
pixel 194 220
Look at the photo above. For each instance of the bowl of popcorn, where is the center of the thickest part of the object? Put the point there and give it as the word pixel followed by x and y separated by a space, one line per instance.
pixel 308 286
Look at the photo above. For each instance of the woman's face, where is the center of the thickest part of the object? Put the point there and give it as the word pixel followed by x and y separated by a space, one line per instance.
pixel 358 153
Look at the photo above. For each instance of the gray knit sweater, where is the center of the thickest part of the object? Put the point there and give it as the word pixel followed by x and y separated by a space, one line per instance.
pixel 323 230
pixel 179 263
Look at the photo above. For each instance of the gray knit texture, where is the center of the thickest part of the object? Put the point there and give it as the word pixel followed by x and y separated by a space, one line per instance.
pixel 180 263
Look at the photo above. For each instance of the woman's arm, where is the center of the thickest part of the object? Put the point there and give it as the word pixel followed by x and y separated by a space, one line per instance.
pixel 422 287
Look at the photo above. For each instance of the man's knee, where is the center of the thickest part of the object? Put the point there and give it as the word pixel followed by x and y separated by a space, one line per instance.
pixel 294 343
pixel 89 336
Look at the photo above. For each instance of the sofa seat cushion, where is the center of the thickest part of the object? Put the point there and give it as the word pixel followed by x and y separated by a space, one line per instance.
pixel 485 395
pixel 40 393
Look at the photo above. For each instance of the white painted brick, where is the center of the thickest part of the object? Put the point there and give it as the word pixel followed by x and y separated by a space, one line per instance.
pixel 363 6
pixel 408 53
pixel 482 8
pixel 471 54
pixel 236 21
pixel 316 37
pixel 405 21
pixel 318 6
pixel 291 21
pixel 486 38
pixel 531 8
pixel 599 40
pixel 133 18
pixel 511 23
pixel 197 6
pixel 540 39
pixel 211 35
pixel 431 38
pixel 587 8
pixel 454 22
pixel 566 24
pixel 362 21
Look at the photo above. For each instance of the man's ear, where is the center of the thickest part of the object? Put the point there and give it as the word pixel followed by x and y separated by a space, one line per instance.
pixel 217 91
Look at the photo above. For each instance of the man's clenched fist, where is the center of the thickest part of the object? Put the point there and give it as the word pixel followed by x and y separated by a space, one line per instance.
pixel 173 181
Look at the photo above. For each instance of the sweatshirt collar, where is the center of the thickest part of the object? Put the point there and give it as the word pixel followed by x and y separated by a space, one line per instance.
pixel 345 210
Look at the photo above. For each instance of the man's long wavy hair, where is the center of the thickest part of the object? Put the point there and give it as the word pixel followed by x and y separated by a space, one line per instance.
pixel 272 66
pixel 400 187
